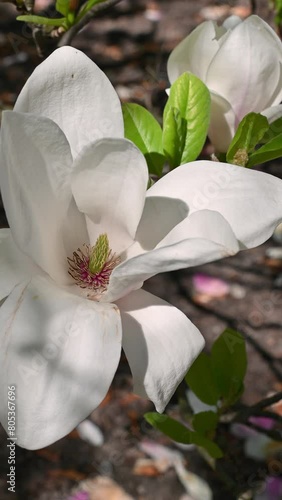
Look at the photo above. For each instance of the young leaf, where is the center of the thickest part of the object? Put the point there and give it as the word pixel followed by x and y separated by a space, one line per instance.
pixel 144 130
pixel 275 128
pixel 86 7
pixel 278 11
pixel 170 427
pixel 229 364
pixel 191 99
pixel 174 136
pixel 200 380
pixel 205 421
pixel 212 448
pixel 63 7
pixel 179 433
pixel 270 151
pixel 45 21
pixel 249 133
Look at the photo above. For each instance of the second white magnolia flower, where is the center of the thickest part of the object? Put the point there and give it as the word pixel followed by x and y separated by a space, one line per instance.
pixel 241 64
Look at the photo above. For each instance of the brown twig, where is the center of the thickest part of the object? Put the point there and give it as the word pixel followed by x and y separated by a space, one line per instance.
pixel 253 6
pixel 70 34
pixel 258 410
pixel 267 414
pixel 275 435
pixel 264 403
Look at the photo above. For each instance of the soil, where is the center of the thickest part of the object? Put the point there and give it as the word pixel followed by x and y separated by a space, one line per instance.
pixel 132 49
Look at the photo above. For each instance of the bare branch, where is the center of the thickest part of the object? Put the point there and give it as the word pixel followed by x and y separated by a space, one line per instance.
pixel 253 6
pixel 70 34
pixel 267 402
pixel 276 435
pixel 258 410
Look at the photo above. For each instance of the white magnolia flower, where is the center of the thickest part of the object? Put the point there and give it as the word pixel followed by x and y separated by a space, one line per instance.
pixel 85 234
pixel 240 62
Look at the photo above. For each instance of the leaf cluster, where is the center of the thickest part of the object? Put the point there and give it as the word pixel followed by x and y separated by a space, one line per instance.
pixel 185 125
pixel 218 381
pixel 70 10
pixel 256 141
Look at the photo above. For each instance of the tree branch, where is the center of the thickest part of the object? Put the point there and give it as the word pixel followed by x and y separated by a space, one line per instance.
pixel 267 402
pixel 258 410
pixel 70 34
pixel 253 6
pixel 275 435
pixel 268 414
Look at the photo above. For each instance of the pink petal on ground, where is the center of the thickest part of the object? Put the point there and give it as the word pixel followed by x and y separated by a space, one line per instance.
pixel 263 422
pixel 80 495
pixel 210 286
pixel 273 488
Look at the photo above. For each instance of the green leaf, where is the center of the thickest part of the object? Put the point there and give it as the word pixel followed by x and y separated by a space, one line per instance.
pixel 144 130
pixel 249 133
pixel 170 427
pixel 270 151
pixel 200 379
pixel 205 421
pixel 91 3
pixel 275 128
pixel 179 433
pixel 186 119
pixel 45 21
pixel 86 7
pixel 174 136
pixel 278 12
pixel 229 364
pixel 212 448
pixel 63 7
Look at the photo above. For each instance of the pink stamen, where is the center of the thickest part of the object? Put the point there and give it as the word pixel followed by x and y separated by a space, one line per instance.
pixel 80 272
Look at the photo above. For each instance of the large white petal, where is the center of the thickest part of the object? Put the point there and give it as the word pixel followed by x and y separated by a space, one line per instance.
pixel 250 201
pixel 60 351
pixel 222 124
pixel 71 90
pixel 160 344
pixel 246 68
pixel 272 113
pixel 160 216
pixel 231 22
pixel 203 237
pixel 195 52
pixel 36 165
pixel 205 224
pixel 15 267
pixel 109 186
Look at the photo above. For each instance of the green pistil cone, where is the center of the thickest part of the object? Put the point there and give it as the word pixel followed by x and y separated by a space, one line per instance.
pixel 99 254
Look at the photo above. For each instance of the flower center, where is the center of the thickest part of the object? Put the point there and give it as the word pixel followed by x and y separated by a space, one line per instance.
pixel 91 267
